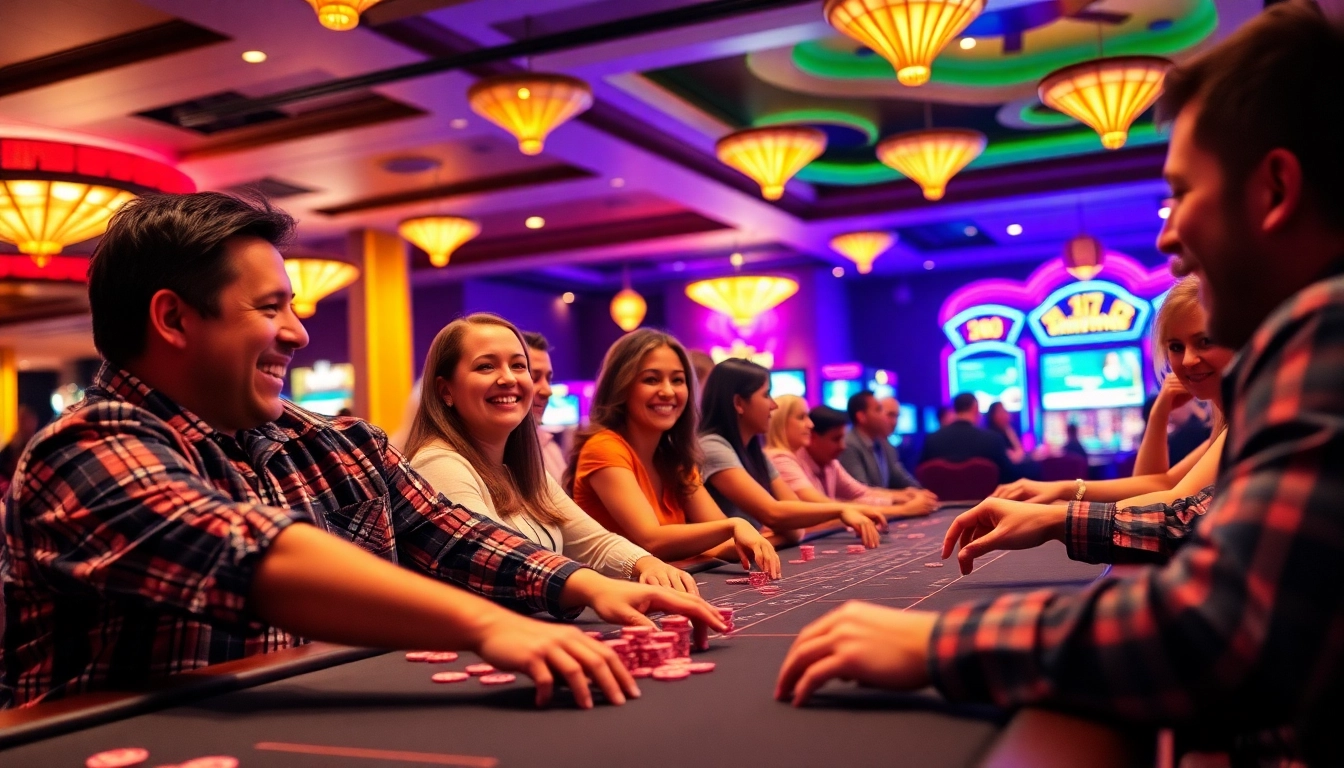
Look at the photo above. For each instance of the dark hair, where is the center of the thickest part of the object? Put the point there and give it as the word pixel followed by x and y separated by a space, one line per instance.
pixel 825 418
pixel 1274 83
pixel 175 243
pixel 740 378
pixel 536 341
pixel 858 403
pixel 678 453
pixel 518 486
pixel 1071 429
pixel 964 403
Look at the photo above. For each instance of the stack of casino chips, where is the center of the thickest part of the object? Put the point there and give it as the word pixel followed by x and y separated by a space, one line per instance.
pixel 807 551
pixel 855 549
pixel 758 579
pixel 677 631
pixel 654 654
pixel 727 615
pixel 625 650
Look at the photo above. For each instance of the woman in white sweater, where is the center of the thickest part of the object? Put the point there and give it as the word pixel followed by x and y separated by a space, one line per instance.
pixel 474 440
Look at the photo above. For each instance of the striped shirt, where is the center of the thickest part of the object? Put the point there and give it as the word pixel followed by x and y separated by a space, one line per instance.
pixel 134 530
pixel 1241 632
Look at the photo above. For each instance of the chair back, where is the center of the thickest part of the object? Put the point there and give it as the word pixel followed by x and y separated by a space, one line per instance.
pixel 970 480
pixel 1069 466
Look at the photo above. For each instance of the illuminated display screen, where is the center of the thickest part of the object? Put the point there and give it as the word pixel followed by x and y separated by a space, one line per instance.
pixel 992 379
pixel 788 382
pixel 561 411
pixel 1100 430
pixel 324 388
pixel 1094 378
pixel 907 421
pixel 836 394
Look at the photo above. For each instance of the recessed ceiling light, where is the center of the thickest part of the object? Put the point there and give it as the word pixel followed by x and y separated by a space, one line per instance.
pixel 567 297
pixel 1164 212
pixel 254 57
pixel 928 264
pixel 1014 229
pixel 618 182
pixel 736 260
pixel 967 43
pixel 457 123
pixel 970 230
pixel 838 272
pixel 534 222
pixel 678 266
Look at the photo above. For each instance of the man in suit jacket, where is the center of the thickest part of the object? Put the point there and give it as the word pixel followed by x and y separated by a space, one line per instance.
pixel 965 439
pixel 868 456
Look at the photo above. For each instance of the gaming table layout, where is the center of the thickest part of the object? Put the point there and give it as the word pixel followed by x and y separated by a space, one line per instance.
pixel 324 705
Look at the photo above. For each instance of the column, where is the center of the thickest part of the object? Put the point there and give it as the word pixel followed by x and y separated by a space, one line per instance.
pixel 9 393
pixel 380 327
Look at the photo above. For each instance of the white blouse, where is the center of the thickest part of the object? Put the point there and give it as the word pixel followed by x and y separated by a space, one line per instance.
pixel 579 537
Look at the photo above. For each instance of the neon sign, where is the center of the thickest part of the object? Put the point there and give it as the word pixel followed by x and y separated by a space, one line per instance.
pixel 984 323
pixel 1088 312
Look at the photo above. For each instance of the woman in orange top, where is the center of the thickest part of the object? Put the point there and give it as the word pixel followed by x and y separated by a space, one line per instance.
pixel 634 468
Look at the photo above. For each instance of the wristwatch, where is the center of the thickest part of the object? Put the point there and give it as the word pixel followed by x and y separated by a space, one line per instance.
pixel 1082 489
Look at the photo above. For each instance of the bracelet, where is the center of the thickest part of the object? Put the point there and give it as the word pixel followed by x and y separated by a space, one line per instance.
pixel 1082 489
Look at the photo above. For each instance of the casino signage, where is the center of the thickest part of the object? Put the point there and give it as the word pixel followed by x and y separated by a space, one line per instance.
pixel 1093 311
pixel 984 323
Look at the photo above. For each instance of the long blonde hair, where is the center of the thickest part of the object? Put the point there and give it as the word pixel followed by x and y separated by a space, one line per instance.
pixel 518 487
pixel 678 451
pixel 1182 299
pixel 777 436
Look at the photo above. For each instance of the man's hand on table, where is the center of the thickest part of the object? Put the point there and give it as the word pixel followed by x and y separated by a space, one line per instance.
pixel 881 647
pixel 1002 524
pixel 545 651
pixel 625 603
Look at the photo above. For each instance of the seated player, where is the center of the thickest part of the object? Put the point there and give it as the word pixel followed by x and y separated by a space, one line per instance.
pixel 965 439
pixel 539 361
pixel 633 469
pixel 474 440
pixel 805 449
pixel 183 514
pixel 868 457
pixel 1181 337
pixel 737 407
pixel 1237 635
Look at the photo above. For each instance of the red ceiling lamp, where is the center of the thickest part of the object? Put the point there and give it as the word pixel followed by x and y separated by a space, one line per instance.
pixel 341 15
pixel 1106 94
pixel 1084 257
pixel 627 306
pixel 771 155
pixel 907 33
pixel 54 194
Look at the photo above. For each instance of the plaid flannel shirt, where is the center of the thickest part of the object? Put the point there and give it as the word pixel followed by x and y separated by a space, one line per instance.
pixel 1241 632
pixel 134 530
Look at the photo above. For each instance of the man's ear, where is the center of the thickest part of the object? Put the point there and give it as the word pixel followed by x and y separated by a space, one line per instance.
pixel 167 318
pixel 1279 179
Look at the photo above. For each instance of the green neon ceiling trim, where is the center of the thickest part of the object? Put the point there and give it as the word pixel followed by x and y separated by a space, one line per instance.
pixel 1023 150
pixel 1047 119
pixel 828 116
pixel 816 59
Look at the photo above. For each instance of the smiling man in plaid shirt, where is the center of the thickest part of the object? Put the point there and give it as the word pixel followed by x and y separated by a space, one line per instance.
pixel 184 515
pixel 1241 631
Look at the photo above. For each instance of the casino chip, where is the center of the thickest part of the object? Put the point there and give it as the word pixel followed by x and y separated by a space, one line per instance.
pixel 498 678
pixel 830 551
pixel 701 667
pixel 641 671
pixel 449 677
pixel 738 581
pixel 678 672
pixel 479 669
pixel 797 562
pixel 419 655
pixel 213 761
pixel 118 758
pixel 934 565
pixel 442 658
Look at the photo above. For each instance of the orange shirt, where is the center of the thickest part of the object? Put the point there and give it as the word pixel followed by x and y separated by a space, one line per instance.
pixel 608 449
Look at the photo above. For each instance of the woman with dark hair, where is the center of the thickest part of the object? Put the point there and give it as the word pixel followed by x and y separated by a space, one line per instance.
pixel 634 468
pixel 999 419
pixel 737 407
pixel 474 440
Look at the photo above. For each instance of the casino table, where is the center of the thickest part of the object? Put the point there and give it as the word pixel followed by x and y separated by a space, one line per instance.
pixel 324 705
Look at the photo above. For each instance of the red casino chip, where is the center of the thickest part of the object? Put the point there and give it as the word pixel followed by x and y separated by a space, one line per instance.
pixel 419 655
pixel 641 671
pixel 678 672
pixel 479 669
pixel 444 657
pixel 498 678
pixel 700 667
pixel 213 761
pixel 118 758
pixel 449 677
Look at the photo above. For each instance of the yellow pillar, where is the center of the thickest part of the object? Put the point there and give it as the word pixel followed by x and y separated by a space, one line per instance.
pixel 380 327
pixel 9 393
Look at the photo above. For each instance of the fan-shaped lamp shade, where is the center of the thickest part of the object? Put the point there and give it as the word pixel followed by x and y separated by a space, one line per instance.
pixel 439 236
pixel 772 155
pixel 314 279
pixel 42 217
pixel 863 248
pixel 1084 257
pixel 1106 94
pixel 341 15
pixel 931 157
pixel 908 33
pixel 742 297
pixel 530 105
pixel 628 309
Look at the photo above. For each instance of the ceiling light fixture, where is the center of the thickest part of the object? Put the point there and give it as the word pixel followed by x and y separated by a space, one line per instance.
pixel 254 57
pixel 967 43
pixel 439 236
pixel 1106 94
pixel 313 279
pixel 341 15
pixel 931 157
pixel 1014 230
pixel 1084 257
pixel 534 222
pixel 530 105
pixel 907 33
pixel 742 297
pixel 771 155
pixel 862 248
pixel 567 297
